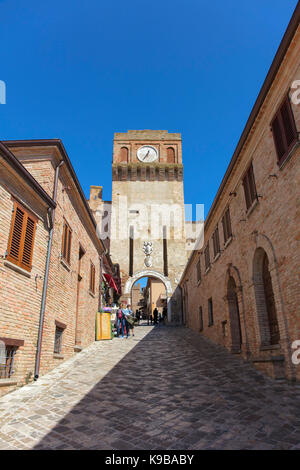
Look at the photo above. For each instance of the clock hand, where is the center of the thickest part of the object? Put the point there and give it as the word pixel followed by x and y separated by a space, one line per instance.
pixel 146 155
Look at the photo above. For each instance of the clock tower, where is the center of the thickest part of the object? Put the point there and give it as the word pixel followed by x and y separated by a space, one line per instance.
pixel 147 233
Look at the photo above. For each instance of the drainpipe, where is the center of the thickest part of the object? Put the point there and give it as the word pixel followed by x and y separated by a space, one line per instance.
pixel 45 285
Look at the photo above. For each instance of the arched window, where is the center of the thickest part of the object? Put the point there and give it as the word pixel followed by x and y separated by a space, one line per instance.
pixel 124 154
pixel 170 155
pixel 265 302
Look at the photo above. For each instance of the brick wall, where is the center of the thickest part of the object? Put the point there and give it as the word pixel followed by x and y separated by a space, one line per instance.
pixel 21 292
pixel 271 227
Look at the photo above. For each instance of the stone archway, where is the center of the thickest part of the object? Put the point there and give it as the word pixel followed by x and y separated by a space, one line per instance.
pixel 150 273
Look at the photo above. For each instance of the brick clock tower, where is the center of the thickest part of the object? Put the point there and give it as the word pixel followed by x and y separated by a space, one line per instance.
pixel 147 222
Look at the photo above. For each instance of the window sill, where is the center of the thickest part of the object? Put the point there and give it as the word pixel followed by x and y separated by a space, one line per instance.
pixel 65 264
pixel 216 257
pixel 269 347
pixel 289 156
pixel 268 359
pixel 228 242
pixel 16 268
pixel 251 208
pixel 207 270
pixel 92 294
pixel 58 356
pixel 8 382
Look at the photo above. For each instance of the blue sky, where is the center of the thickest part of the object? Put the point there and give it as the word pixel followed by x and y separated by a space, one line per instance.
pixel 80 71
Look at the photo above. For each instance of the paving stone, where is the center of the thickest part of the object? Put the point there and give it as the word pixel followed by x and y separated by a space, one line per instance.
pixel 166 388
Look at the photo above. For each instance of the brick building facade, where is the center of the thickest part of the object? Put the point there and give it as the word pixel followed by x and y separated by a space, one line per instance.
pixel 241 290
pixel 72 295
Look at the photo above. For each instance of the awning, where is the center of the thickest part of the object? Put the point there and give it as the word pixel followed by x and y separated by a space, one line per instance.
pixel 111 282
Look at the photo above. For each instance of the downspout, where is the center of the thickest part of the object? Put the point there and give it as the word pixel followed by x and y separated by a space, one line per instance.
pixel 45 285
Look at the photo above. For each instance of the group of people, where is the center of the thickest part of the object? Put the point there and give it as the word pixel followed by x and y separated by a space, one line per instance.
pixel 157 317
pixel 124 321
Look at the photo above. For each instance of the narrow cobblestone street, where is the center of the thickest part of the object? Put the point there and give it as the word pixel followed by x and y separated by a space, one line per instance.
pixel 165 388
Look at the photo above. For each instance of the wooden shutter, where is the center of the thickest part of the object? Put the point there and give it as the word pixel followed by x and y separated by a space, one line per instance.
pixel 92 278
pixel 21 239
pixel 228 223
pixel 284 130
pixel 207 257
pixel 66 243
pixel 249 187
pixel 198 271
pixel 216 242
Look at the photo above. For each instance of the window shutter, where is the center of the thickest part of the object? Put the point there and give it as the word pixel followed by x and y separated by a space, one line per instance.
pixel 20 245
pixel 284 130
pixel 16 236
pixel 288 123
pixel 69 245
pixel 228 223
pixel 278 137
pixel 252 186
pixel 246 190
pixel 28 243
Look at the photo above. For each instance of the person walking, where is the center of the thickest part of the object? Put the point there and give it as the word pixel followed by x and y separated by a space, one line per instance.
pixel 155 314
pixel 118 321
pixel 165 313
pixel 125 313
pixel 131 317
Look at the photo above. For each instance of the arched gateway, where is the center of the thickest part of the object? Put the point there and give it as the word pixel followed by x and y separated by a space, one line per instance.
pixel 153 274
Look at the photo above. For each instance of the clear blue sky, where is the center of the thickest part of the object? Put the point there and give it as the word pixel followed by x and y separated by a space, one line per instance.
pixel 80 71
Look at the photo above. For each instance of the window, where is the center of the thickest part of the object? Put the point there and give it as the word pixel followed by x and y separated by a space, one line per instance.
pixel 124 154
pixel 226 225
pixel 66 243
pixel 201 318
pixel 207 257
pixel 284 130
pixel 7 354
pixel 210 313
pixel 92 278
pixel 58 339
pixel 170 155
pixel 198 270
pixel 21 238
pixel 216 242
pixel 249 187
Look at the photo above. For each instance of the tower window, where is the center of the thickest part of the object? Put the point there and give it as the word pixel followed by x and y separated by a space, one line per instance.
pixel 170 155
pixel 124 154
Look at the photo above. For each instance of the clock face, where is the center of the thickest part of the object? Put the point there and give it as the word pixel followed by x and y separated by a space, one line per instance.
pixel 147 154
